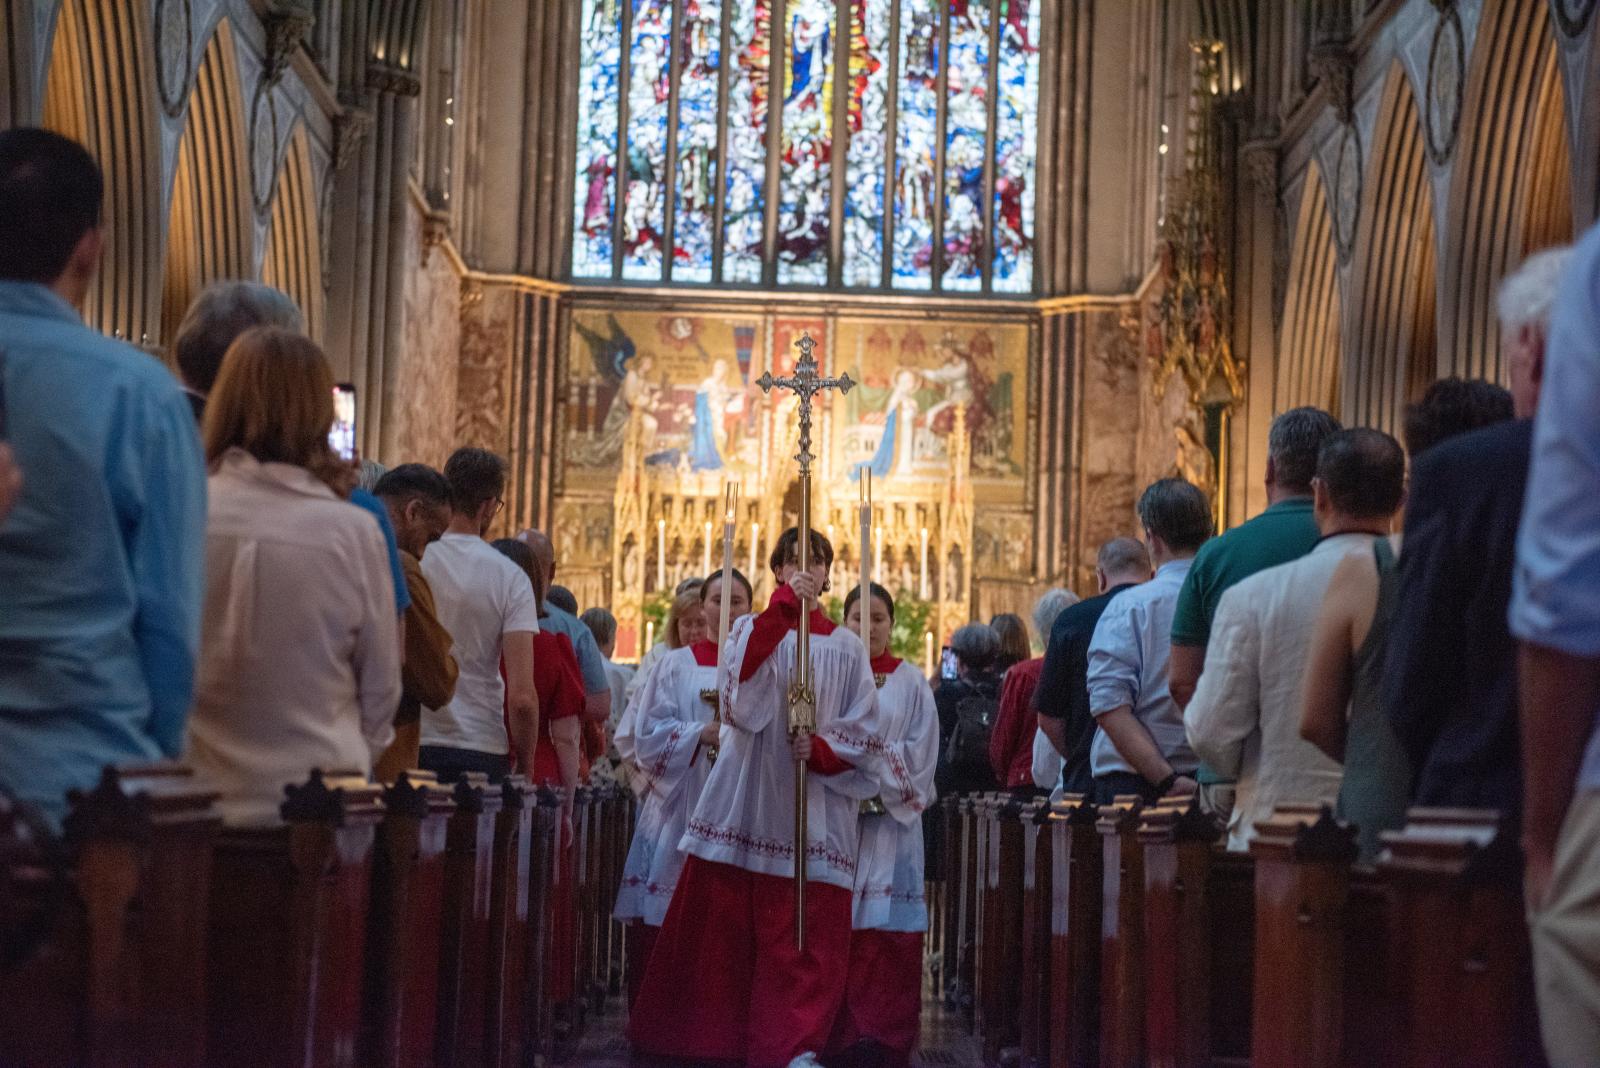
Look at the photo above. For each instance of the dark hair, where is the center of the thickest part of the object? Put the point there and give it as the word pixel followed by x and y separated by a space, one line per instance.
pixel 1177 512
pixel 475 476
pixel 878 593
pixel 738 576
pixel 1014 645
pixel 1292 445
pixel 976 645
pixel 410 482
pixel 601 623
pixel 562 598
pixel 1363 472
pixel 787 551
pixel 1453 406
pixel 217 317
pixel 51 190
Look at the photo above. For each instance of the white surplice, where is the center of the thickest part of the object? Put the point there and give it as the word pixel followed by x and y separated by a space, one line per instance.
pixel 889 894
pixel 746 812
pixel 672 772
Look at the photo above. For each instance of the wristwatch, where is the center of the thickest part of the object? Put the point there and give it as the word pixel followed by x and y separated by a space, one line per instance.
pixel 1166 784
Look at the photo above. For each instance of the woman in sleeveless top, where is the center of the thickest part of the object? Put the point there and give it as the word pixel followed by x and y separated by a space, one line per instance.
pixel 1341 707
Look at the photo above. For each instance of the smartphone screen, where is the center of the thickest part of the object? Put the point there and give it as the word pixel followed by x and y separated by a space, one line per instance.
pixel 947 663
pixel 342 438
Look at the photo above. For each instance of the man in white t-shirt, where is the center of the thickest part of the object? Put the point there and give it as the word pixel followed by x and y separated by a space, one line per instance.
pixel 486 603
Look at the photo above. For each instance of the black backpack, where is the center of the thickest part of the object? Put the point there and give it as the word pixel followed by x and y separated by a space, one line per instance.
pixel 966 755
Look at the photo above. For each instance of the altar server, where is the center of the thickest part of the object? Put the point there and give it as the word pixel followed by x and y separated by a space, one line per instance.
pixel 675 743
pixel 756 998
pixel 882 1008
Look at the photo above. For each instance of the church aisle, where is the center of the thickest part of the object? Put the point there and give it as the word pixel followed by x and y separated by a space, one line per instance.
pixel 945 1042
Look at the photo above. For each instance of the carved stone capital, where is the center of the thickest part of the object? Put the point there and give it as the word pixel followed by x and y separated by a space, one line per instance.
pixel 286 31
pixel 1335 67
pixel 1260 159
pixel 349 130
pixel 387 78
pixel 435 232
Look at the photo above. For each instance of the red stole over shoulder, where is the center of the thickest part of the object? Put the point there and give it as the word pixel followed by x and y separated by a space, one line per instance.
pixel 782 616
pixel 705 653
pixel 885 664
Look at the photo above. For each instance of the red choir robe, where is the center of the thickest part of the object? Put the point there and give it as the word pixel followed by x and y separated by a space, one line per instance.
pixel 883 991
pixel 725 981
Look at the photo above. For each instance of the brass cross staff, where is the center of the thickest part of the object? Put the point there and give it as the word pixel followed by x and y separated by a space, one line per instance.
pixel 805 383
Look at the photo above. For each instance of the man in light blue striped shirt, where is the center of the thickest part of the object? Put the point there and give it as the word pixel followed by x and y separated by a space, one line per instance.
pixel 1139 745
pixel 101 561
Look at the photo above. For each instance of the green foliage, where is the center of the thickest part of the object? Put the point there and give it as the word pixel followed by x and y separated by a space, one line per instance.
pixel 656 607
pixel 913 618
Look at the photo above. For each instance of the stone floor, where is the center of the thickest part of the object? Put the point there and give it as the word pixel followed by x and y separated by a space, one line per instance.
pixel 945 1042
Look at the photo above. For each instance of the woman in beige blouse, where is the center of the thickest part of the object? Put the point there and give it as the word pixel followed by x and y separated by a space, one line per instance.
pixel 300 664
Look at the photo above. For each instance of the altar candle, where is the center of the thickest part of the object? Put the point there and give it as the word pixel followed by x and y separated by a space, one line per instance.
pixel 877 553
pixel 922 571
pixel 755 549
pixel 705 556
pixel 927 655
pixel 833 567
pixel 661 554
pixel 650 635
pixel 730 494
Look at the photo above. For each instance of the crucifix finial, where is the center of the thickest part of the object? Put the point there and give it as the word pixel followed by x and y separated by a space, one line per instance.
pixel 805 383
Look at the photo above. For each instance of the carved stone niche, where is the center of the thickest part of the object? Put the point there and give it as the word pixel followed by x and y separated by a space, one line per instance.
pixel 287 27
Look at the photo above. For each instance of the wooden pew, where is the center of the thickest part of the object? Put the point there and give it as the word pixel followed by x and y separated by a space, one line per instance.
pixel 1002 987
pixel 1037 988
pixel 466 933
pixel 1179 932
pixel 947 837
pixel 1230 890
pixel 1322 985
pixel 102 951
pixel 287 929
pixel 404 924
pixel 1077 862
pixel 967 875
pixel 1122 1003
pixel 546 829
pixel 1460 942
pixel 507 1020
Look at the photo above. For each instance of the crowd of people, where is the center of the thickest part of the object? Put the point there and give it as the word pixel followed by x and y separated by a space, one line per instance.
pixel 189 571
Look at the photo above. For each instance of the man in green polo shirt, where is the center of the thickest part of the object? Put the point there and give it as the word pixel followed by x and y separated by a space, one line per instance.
pixel 1285 531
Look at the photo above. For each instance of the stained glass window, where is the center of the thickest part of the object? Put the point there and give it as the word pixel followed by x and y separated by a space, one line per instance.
pixel 859 143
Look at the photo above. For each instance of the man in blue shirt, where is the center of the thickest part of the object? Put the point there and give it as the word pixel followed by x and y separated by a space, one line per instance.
pixel 101 561
pixel 1555 612
pixel 1141 747
pixel 596 683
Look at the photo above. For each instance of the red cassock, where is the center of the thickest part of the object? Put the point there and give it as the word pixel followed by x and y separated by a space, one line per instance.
pixel 725 982
pixel 883 996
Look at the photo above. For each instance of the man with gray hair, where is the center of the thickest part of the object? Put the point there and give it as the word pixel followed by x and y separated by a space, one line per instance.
pixel 1062 696
pixel 222 312
pixel 1450 674
pixel 1016 724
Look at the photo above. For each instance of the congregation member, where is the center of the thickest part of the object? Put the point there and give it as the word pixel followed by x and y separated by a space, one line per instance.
pixel 757 999
pixel 300 664
pixel 214 320
pixel 1139 746
pixel 881 1014
pixel 102 555
pixel 1555 614
pixel 562 598
pixel 486 603
pixel 1062 696
pixel 1011 745
pixel 686 624
pixel 1015 647
pixel 559 613
pixel 1450 678
pixel 1285 531
pixel 1342 706
pixel 675 741
pixel 1244 719
pixel 968 705
pixel 603 625
pixel 418 501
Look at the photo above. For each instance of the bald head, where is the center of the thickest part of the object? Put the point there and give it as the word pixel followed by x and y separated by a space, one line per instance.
pixel 1122 560
pixel 544 553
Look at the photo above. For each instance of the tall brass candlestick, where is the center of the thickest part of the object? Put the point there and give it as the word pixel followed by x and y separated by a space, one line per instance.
pixel 805 383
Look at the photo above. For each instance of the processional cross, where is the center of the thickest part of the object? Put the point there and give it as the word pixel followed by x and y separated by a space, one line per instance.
pixel 805 383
